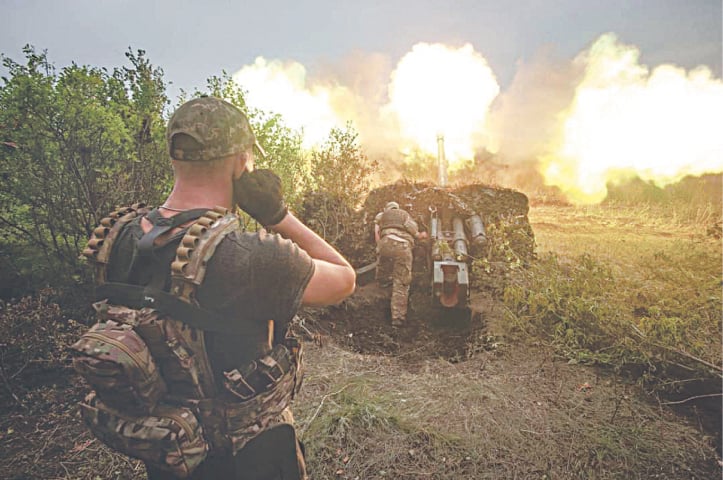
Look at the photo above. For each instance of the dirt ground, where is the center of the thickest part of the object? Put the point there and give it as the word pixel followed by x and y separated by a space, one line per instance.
pixel 362 324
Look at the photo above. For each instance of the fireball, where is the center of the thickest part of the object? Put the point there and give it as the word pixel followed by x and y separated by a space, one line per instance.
pixel 439 90
pixel 626 120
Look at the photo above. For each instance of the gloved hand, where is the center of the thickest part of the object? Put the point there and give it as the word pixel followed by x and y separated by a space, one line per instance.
pixel 259 194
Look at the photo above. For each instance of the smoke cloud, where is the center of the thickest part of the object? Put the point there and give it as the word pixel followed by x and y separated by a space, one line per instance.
pixel 569 125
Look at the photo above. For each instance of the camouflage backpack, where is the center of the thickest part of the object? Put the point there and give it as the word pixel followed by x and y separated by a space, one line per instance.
pixel 154 396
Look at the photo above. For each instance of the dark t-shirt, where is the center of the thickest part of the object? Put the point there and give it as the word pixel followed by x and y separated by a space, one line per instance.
pixel 251 278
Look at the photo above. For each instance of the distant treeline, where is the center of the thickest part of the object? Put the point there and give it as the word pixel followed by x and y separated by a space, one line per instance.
pixel 693 190
pixel 79 141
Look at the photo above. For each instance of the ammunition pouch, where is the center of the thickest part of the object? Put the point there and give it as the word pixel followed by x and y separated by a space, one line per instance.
pixel 171 438
pixel 169 341
pixel 265 373
pixel 118 364
pixel 261 391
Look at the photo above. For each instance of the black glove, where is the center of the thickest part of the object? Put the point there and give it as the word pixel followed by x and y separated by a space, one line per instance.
pixel 259 194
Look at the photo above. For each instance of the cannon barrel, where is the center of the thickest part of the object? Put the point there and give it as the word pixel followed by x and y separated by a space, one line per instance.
pixel 434 227
pixel 477 230
pixel 460 239
pixel 442 161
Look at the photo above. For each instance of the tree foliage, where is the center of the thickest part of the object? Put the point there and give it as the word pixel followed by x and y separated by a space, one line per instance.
pixel 76 143
pixel 341 169
pixel 342 176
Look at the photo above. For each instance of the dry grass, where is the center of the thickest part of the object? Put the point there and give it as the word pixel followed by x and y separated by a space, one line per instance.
pixel 517 414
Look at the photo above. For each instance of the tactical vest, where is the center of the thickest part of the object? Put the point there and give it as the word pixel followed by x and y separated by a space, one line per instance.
pixel 395 221
pixel 154 395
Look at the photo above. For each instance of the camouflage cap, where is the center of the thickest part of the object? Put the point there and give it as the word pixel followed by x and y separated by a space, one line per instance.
pixel 218 128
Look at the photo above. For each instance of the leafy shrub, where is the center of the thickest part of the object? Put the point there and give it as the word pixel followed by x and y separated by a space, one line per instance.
pixel 342 177
pixel 341 169
pixel 77 143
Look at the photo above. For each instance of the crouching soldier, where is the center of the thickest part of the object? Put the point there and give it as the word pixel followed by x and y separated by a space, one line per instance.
pixel 395 232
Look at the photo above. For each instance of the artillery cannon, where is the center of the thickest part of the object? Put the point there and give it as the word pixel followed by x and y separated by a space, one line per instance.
pixel 458 221
pixel 449 257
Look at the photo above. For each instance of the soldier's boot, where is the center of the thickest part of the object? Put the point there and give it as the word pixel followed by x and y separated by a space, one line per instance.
pixel 397 322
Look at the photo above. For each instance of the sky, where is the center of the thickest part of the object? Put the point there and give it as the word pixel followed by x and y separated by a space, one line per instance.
pixel 193 40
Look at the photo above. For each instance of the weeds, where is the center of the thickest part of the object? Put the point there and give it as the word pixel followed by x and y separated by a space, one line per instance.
pixel 363 430
pixel 508 247
pixel 650 306
pixel 572 305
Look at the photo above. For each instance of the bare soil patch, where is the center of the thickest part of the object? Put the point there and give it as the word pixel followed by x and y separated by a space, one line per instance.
pixel 362 324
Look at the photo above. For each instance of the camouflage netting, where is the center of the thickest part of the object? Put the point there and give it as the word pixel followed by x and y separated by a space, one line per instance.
pixel 503 212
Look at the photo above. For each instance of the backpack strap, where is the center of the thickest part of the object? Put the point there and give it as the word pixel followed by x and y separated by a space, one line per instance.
pixel 187 273
pixel 104 235
pixel 138 297
pixel 188 269
pixel 162 225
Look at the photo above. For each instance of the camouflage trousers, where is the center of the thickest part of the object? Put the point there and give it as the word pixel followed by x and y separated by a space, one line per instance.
pixel 395 260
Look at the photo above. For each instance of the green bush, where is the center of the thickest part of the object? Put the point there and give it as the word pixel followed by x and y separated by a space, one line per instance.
pixel 77 143
pixel 341 175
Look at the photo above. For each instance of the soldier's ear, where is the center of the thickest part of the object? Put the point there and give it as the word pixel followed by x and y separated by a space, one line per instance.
pixel 242 162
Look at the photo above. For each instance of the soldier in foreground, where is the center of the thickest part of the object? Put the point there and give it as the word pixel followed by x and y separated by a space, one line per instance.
pixel 194 313
pixel 395 232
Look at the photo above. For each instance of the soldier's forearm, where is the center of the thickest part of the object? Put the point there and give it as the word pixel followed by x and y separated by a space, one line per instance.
pixel 318 248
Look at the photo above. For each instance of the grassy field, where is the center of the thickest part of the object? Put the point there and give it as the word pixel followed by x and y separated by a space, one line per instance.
pixel 629 285
pixel 585 354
